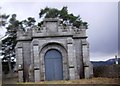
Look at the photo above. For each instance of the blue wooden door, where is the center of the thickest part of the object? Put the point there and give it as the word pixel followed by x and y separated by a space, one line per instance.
pixel 53 65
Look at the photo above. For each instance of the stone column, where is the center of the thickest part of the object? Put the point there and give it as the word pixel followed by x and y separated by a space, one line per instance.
pixel 86 60
pixel 71 59
pixel 36 63
pixel 20 63
pixel 79 59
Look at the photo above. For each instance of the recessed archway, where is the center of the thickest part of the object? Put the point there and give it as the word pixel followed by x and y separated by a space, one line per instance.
pixel 61 51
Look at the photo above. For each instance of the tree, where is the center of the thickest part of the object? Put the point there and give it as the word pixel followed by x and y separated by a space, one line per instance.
pixel 68 19
pixel 3 19
pixel 27 23
pixel 8 44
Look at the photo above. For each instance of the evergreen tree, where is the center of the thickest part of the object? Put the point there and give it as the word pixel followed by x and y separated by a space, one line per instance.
pixel 8 44
pixel 27 23
pixel 68 19
pixel 3 18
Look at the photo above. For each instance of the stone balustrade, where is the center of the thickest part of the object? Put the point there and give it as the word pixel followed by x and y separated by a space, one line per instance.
pixel 50 28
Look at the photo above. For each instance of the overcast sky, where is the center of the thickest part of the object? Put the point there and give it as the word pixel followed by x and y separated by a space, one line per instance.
pixel 102 18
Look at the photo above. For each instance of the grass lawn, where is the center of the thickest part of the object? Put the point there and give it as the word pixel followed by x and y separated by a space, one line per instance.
pixel 98 80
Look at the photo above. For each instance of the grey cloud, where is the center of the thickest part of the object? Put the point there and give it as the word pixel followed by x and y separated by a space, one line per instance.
pixel 101 16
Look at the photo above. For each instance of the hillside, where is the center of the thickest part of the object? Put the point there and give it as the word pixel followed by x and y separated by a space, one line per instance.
pixel 103 63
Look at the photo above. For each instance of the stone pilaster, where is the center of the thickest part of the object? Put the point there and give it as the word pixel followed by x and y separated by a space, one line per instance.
pixel 36 63
pixel 20 63
pixel 86 59
pixel 79 59
pixel 71 58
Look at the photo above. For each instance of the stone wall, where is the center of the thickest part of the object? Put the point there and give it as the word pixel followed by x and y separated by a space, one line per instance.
pixel 110 71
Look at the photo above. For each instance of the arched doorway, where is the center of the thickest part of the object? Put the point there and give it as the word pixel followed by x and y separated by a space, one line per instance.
pixel 53 65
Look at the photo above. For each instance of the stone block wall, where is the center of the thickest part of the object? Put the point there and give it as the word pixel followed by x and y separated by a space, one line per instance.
pixel 110 71
pixel 69 41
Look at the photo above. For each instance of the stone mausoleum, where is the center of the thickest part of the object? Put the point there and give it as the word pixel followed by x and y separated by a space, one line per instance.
pixel 53 52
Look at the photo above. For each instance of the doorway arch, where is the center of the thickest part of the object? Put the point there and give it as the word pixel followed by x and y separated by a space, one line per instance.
pixel 62 50
pixel 53 65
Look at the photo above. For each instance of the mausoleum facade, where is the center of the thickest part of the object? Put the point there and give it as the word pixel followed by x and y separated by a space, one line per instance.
pixel 53 52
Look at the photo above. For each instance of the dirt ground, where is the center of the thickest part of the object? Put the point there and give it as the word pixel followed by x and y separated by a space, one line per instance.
pixel 98 80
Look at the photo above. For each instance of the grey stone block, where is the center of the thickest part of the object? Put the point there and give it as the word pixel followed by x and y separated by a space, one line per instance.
pixel 37 75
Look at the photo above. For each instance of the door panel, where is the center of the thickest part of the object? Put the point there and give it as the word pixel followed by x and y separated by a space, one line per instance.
pixel 53 65
pixel 49 69
pixel 58 68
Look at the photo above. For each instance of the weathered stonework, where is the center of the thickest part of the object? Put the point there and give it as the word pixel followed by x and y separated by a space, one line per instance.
pixel 71 43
